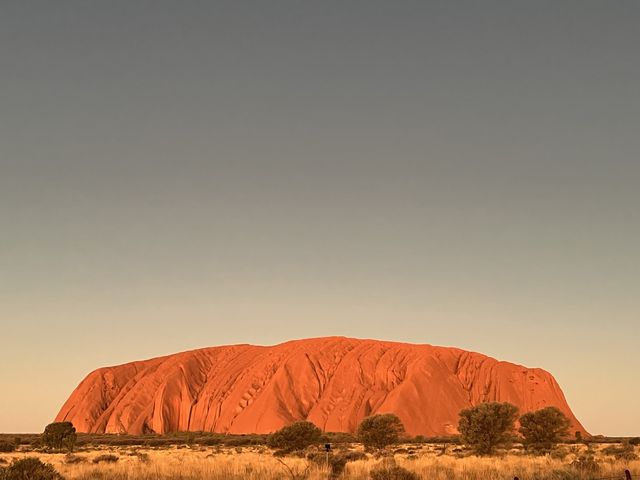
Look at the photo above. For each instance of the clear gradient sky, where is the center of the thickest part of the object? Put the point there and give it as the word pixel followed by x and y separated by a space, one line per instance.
pixel 183 174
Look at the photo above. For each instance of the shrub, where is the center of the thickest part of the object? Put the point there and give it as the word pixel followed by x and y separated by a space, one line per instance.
pixel 543 428
pixel 157 442
pixel 586 464
pixel 297 436
pixel 392 472
pixel 338 437
pixel 30 468
pixel 380 431
pixel 106 458
pixel 209 441
pixel 488 425
pixel 635 441
pixel 6 447
pixel 59 435
pixel 624 451
pixel 559 453
pixel 143 457
pixel 335 462
pixel 72 459
pixel 243 440
pixel 354 456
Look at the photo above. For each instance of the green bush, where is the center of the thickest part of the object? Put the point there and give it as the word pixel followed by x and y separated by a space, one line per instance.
pixel 30 468
pixel 379 431
pixel 544 428
pixel 59 435
pixel 488 425
pixel 297 436
pixel 393 472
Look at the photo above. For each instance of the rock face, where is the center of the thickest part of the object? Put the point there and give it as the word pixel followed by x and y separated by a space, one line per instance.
pixel 333 382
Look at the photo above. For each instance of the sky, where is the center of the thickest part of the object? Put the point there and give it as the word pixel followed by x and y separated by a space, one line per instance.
pixel 175 175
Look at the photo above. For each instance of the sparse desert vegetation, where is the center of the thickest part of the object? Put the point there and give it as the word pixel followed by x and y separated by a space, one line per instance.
pixel 486 449
pixel 253 462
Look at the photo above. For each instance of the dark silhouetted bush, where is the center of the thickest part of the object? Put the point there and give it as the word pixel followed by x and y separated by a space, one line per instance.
pixel 488 425
pixel 59 435
pixel 297 436
pixel 6 447
pixel 544 428
pixel 379 431
pixel 30 468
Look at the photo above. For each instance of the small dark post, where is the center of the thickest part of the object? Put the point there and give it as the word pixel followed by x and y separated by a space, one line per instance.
pixel 327 447
pixel 627 474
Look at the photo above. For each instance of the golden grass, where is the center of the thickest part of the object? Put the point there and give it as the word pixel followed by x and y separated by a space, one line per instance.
pixel 258 463
pixel 172 463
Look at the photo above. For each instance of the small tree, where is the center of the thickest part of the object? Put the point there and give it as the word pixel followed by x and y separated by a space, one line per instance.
pixel 380 430
pixel 297 436
pixel 544 428
pixel 59 435
pixel 487 425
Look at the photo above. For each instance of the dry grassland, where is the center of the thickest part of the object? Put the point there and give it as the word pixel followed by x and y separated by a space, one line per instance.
pixel 258 463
